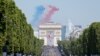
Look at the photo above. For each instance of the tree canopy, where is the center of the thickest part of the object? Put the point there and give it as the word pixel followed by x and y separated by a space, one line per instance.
pixel 87 44
pixel 16 35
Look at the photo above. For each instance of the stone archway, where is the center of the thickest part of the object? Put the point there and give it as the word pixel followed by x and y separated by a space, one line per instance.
pixel 50 38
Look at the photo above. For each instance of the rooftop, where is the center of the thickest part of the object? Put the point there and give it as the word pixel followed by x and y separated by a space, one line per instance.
pixel 50 25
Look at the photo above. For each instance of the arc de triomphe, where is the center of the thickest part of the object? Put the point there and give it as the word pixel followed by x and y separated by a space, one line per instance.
pixel 50 33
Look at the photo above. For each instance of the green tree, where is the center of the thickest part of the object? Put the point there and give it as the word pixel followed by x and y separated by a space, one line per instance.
pixel 16 35
pixel 87 44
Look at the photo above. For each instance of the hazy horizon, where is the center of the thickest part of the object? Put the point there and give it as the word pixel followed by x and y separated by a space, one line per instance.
pixel 80 12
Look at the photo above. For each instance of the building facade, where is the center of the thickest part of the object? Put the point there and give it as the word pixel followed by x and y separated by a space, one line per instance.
pixel 76 31
pixel 63 32
pixel 50 33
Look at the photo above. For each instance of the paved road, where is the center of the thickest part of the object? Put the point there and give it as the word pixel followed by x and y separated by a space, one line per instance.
pixel 50 51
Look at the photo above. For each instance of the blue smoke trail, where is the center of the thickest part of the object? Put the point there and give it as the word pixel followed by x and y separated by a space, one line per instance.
pixel 38 14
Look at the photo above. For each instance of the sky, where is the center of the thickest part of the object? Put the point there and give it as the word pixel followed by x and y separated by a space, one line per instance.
pixel 80 12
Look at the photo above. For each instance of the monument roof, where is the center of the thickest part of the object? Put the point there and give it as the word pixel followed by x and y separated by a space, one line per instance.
pixel 50 25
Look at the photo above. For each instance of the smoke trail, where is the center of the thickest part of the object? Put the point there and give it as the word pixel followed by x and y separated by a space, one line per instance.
pixel 38 13
pixel 48 15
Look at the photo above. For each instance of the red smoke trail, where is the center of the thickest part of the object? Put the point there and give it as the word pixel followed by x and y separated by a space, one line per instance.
pixel 48 15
